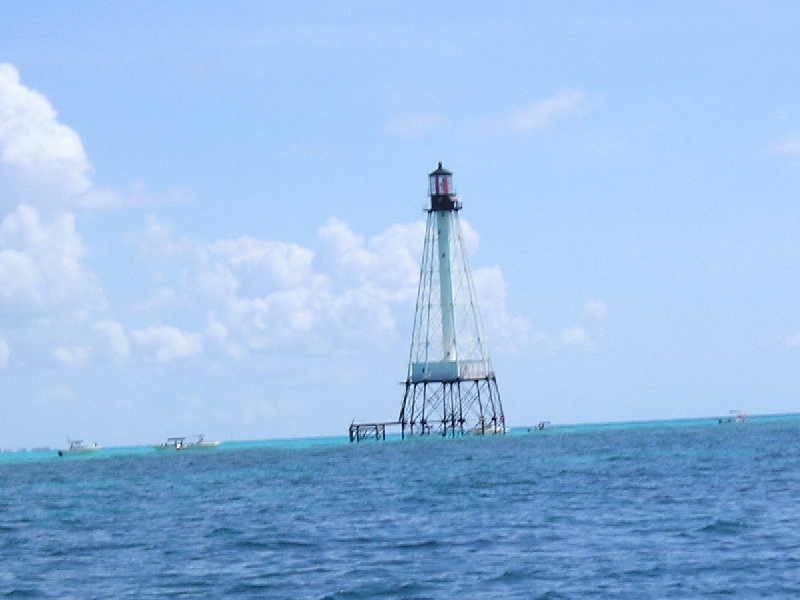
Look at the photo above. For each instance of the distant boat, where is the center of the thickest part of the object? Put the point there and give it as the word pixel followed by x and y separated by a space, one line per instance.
pixel 483 427
pixel 738 418
pixel 201 443
pixel 77 447
pixel 180 443
pixel 172 443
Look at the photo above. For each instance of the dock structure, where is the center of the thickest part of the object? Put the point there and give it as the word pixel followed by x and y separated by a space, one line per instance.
pixel 368 431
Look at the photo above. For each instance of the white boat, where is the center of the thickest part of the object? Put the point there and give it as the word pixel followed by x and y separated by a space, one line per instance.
pixel 487 427
pixel 173 443
pixel 739 418
pixel 180 443
pixel 202 443
pixel 77 447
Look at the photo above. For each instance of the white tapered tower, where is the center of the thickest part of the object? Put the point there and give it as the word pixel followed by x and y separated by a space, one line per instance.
pixel 451 388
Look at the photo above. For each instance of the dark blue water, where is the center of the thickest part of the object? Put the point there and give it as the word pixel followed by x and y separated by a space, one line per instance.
pixel 671 510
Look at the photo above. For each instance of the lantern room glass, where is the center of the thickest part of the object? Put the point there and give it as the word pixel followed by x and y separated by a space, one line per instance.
pixel 441 182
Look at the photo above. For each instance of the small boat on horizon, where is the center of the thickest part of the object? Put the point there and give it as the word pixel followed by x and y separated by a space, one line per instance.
pixel 488 427
pixel 180 443
pixel 738 418
pixel 77 447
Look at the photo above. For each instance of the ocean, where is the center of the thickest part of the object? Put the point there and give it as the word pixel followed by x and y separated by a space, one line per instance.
pixel 689 509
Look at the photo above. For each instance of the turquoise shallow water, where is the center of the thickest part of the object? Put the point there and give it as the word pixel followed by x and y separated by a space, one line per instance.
pixel 689 509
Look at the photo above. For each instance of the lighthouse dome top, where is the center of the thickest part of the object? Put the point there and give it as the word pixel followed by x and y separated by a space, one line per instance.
pixel 441 170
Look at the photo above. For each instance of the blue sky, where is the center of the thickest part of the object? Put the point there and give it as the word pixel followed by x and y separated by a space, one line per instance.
pixel 211 213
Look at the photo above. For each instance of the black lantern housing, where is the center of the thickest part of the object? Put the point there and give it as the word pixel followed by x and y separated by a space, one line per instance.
pixel 440 187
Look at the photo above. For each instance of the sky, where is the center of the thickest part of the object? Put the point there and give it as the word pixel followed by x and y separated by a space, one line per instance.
pixel 212 213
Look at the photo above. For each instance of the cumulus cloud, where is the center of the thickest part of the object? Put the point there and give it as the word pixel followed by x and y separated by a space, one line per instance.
pixel 391 259
pixel 268 293
pixel 43 162
pixel 19 276
pixel 72 357
pixel 350 290
pixel 115 335
pixel 594 313
pixel 512 332
pixel 216 330
pixel 47 156
pixel 41 264
pixel 137 196
pixel 595 309
pixel 575 336
pixel 286 264
pixel 540 115
pixel 169 343
pixel 162 300
pixel 158 240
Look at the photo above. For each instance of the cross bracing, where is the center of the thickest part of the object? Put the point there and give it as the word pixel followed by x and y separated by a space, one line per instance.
pixel 450 387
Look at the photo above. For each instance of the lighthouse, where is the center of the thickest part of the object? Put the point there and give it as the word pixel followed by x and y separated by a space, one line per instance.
pixel 450 388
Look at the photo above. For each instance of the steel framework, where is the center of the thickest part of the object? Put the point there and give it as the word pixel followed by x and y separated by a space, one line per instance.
pixel 451 387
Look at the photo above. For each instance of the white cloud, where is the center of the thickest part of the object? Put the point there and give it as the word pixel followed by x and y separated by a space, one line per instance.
pixel 389 260
pixel 41 264
pixel 575 336
pixel 74 357
pixel 351 291
pixel 170 342
pixel 415 126
pixel 789 146
pixel 158 241
pixel 43 162
pixel 288 264
pixel 48 156
pixel 277 318
pixel 217 330
pixel 268 293
pixel 138 196
pixel 503 328
pixel 347 248
pixel 792 341
pixel 595 309
pixel 217 281
pixel 540 115
pixel 162 300
pixel 5 353
pixel 261 294
pixel 19 276
pixel 115 335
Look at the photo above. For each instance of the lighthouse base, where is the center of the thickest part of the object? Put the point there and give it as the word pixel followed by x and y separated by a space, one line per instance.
pixel 454 407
